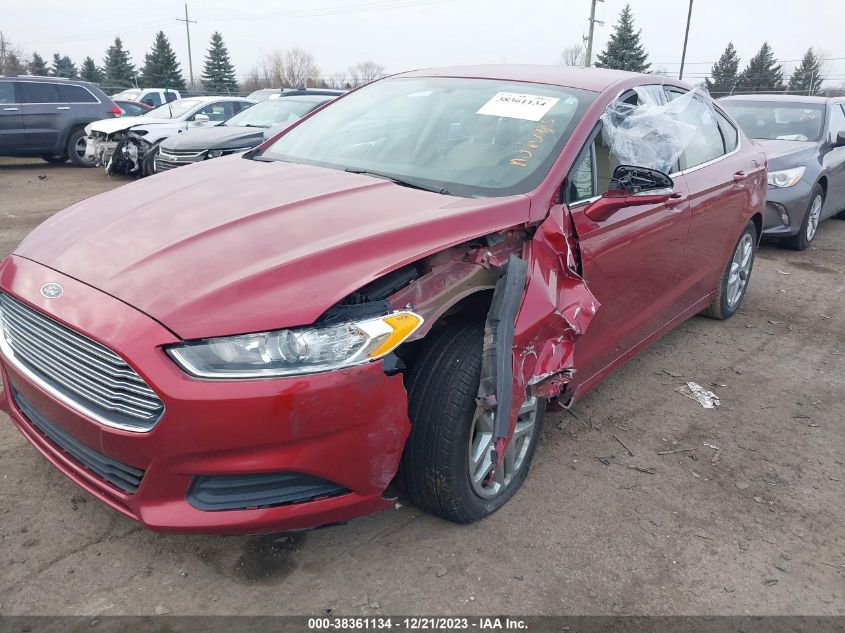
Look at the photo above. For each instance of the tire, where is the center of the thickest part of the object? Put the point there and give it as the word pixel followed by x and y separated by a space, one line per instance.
pixel 728 297
pixel 55 159
pixel 76 149
pixel 810 223
pixel 148 168
pixel 840 215
pixel 435 468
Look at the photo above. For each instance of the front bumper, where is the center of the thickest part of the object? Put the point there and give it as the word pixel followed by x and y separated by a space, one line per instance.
pixel 791 202
pixel 345 427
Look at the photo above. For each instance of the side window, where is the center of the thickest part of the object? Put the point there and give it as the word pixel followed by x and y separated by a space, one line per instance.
pixel 837 121
pixel 242 105
pixel 170 96
pixel 7 92
pixel 729 133
pixel 590 175
pixel 37 92
pixel 219 111
pixel 75 94
pixel 152 99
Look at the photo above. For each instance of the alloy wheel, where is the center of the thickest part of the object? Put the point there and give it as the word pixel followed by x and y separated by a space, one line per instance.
pixel 815 214
pixel 481 446
pixel 740 270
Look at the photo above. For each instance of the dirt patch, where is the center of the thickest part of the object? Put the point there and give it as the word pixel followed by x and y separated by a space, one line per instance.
pixel 760 529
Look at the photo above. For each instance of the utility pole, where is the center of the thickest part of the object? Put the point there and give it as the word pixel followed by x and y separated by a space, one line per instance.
pixel 686 37
pixel 588 58
pixel 188 31
pixel 3 44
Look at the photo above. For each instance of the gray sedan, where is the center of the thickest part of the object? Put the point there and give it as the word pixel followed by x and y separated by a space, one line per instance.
pixel 804 141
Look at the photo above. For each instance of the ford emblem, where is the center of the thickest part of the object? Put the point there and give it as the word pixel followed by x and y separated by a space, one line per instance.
pixel 52 290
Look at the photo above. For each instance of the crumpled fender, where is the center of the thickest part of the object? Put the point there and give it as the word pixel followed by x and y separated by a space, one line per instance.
pixel 556 309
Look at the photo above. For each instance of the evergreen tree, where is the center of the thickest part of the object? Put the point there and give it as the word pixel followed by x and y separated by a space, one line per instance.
pixel 725 73
pixel 806 78
pixel 161 70
pixel 118 70
pixel 624 50
pixel 763 73
pixel 90 72
pixel 63 67
pixel 14 65
pixel 37 66
pixel 218 74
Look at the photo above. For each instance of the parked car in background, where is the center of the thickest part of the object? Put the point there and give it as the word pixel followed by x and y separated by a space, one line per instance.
pixel 46 117
pixel 396 286
pixel 128 145
pixel 132 108
pixel 268 93
pixel 804 139
pixel 238 134
pixel 152 97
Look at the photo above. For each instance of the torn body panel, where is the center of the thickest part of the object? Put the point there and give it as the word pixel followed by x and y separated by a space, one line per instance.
pixel 122 152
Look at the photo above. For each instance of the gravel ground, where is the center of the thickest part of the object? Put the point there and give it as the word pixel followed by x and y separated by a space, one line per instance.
pixel 756 525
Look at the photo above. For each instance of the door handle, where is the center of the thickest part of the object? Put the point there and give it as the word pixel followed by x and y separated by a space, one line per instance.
pixel 675 199
pixel 740 176
pixel 10 109
pixel 62 107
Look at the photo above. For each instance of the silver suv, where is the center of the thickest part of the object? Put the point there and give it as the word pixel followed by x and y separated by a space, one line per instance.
pixel 46 117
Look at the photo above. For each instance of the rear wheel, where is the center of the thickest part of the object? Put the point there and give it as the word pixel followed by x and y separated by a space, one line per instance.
pixel 810 224
pixel 55 159
pixel 737 274
pixel 76 144
pixel 447 462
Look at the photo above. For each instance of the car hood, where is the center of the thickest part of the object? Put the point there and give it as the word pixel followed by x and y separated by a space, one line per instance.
pixel 786 154
pixel 234 245
pixel 110 126
pixel 218 137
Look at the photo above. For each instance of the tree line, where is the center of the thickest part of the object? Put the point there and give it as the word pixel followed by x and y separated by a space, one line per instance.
pixel 763 73
pixel 160 69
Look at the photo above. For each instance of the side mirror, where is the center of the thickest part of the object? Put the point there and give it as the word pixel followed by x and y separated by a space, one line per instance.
pixel 201 119
pixel 840 140
pixel 631 187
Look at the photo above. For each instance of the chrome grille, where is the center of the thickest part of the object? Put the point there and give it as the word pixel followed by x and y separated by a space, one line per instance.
pixel 82 373
pixel 168 159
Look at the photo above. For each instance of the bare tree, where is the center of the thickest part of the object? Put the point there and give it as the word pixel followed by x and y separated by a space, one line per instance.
pixel 12 58
pixel 298 68
pixel 255 79
pixel 572 55
pixel 365 72
pixel 337 81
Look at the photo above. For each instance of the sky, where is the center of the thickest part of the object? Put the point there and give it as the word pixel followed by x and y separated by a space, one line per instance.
pixel 407 34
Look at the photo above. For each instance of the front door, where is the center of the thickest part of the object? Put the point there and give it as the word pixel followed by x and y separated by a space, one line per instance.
pixel 633 262
pixel 11 122
pixel 834 161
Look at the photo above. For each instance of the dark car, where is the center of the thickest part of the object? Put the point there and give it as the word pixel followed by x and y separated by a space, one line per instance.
pixel 266 93
pixel 395 286
pixel 241 132
pixel 804 140
pixel 46 116
pixel 132 108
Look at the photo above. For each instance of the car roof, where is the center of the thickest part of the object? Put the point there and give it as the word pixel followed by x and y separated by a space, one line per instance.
pixel 208 99
pixel 594 79
pixel 777 98
pixel 306 98
pixel 42 78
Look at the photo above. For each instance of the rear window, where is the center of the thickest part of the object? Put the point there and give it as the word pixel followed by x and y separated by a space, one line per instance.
pixel 75 94
pixel 32 92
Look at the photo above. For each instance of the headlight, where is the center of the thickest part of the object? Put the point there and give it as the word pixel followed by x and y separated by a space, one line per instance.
pixel 214 153
pixel 785 177
pixel 296 351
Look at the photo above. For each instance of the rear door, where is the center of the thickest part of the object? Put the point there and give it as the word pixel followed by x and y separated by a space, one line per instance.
pixel 721 177
pixel 633 262
pixel 11 120
pixel 43 114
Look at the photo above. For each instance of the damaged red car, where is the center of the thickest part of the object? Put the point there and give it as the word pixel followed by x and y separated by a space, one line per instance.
pixel 394 289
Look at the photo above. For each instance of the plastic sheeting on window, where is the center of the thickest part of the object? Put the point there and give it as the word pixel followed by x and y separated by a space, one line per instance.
pixel 653 133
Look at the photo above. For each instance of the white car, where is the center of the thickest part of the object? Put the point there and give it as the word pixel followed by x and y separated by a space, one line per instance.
pixel 152 97
pixel 128 144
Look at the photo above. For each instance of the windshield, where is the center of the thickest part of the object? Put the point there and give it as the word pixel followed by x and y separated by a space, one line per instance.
pixel 272 112
pixel 264 93
pixel 178 108
pixel 772 120
pixel 466 137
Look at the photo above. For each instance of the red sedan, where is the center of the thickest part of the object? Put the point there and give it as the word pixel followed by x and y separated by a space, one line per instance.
pixel 394 288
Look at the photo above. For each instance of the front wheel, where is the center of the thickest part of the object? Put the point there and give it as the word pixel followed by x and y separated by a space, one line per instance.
pixel 148 167
pixel 737 274
pixel 447 462
pixel 801 240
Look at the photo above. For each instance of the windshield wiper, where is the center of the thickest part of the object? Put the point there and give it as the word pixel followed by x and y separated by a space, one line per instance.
pixel 398 181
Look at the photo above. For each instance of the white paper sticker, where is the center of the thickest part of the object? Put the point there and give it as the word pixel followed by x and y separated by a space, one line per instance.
pixel 513 105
